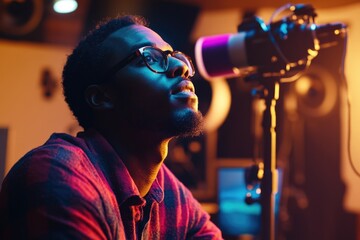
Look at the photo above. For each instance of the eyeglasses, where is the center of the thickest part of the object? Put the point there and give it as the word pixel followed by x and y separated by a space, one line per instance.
pixel 155 59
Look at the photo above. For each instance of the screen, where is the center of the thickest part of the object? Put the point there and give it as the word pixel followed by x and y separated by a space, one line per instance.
pixel 236 217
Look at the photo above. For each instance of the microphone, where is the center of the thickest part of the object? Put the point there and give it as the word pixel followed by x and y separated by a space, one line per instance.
pixel 282 48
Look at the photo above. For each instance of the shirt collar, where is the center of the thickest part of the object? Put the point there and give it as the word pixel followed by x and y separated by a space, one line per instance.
pixel 156 192
pixel 103 156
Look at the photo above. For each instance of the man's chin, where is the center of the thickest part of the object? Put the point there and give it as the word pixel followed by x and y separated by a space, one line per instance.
pixel 188 124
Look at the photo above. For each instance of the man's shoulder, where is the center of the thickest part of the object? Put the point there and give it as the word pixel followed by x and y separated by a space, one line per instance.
pixel 59 147
pixel 58 156
pixel 54 178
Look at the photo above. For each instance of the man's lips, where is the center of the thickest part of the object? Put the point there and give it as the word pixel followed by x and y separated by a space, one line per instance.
pixel 184 87
pixel 184 93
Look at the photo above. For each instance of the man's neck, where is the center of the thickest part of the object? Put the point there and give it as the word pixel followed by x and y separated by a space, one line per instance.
pixel 142 154
pixel 145 166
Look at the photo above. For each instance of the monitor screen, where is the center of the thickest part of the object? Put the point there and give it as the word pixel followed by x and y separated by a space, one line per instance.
pixel 236 217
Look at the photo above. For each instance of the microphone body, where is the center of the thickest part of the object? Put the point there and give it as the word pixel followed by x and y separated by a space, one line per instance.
pixel 258 51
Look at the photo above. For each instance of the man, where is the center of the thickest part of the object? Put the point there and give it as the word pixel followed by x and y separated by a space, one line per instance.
pixel 131 93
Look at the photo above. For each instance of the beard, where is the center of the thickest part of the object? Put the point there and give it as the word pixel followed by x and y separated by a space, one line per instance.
pixel 187 124
pixel 181 123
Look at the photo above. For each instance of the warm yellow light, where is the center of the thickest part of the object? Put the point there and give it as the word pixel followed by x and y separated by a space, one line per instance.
pixel 220 104
pixel 303 85
pixel 312 53
pixel 260 173
pixel 236 70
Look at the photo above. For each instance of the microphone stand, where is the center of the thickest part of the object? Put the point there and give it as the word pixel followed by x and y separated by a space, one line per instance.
pixel 269 181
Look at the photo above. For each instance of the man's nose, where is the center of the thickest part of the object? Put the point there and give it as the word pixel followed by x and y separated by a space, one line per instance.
pixel 177 68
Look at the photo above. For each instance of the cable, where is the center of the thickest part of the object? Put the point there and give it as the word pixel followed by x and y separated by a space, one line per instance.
pixel 342 68
pixel 289 65
pixel 273 41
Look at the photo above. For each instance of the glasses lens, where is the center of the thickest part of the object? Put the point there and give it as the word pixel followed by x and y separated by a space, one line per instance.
pixel 155 59
pixel 181 56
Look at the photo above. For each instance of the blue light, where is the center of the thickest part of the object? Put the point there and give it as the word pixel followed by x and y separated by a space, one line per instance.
pixel 65 6
pixel 313 27
pixel 236 217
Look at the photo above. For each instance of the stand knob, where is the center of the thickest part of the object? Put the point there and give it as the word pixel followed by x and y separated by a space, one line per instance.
pixel 250 200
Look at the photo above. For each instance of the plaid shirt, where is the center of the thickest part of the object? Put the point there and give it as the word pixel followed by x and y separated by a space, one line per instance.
pixel 78 188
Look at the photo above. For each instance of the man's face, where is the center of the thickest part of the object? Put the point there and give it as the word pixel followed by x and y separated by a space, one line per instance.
pixel 164 103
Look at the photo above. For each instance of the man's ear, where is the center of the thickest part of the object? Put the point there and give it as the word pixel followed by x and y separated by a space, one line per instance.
pixel 98 98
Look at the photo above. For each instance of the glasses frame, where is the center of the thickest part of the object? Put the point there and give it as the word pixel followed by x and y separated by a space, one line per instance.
pixel 139 53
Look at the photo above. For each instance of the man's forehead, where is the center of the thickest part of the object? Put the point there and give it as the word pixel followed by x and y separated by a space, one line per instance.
pixel 132 37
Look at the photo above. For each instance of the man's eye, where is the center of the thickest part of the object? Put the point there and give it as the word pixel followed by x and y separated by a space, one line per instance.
pixel 141 61
pixel 150 59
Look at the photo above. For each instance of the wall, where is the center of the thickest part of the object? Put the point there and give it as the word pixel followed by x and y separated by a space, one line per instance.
pixel 28 115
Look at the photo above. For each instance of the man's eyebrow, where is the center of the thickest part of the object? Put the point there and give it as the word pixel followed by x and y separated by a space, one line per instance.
pixel 140 45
